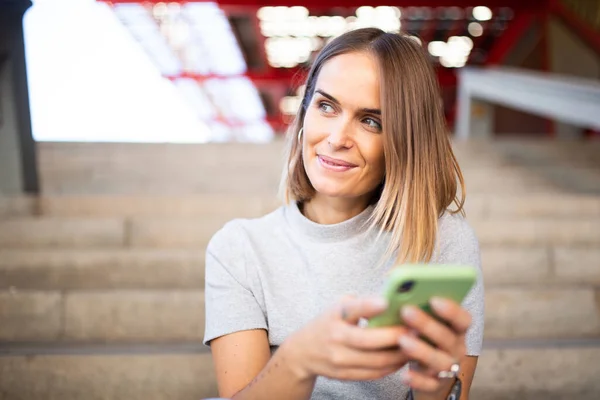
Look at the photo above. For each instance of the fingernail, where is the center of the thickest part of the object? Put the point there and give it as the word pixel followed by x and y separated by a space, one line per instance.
pixel 439 304
pixel 409 313
pixel 407 342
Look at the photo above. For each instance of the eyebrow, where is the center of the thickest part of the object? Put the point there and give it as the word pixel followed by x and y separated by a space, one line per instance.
pixel 375 111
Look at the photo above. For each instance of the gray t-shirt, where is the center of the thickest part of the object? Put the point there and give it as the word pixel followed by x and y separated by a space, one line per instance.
pixel 280 271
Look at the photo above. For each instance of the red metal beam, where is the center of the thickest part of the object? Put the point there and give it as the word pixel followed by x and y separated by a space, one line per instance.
pixel 273 75
pixel 321 4
pixel 577 25
pixel 515 30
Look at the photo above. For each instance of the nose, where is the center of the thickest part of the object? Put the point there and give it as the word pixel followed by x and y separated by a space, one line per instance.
pixel 340 136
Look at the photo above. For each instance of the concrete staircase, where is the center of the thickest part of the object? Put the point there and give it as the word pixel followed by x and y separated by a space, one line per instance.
pixel 101 278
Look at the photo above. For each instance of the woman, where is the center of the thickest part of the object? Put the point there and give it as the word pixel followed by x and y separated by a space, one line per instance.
pixel 368 182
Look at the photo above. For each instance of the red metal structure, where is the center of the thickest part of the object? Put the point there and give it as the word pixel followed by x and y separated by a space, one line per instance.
pixel 429 20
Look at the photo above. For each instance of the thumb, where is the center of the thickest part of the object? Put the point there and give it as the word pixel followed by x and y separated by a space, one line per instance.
pixel 352 309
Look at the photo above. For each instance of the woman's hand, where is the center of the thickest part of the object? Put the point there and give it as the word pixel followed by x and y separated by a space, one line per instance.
pixel 447 343
pixel 334 346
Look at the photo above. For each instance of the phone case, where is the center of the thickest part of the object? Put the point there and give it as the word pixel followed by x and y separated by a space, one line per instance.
pixel 424 282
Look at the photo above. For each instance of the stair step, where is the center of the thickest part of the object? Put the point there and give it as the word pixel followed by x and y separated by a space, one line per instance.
pixel 62 269
pixel 538 231
pixel 98 168
pixel 248 206
pixel 167 316
pixel 48 232
pixel 151 268
pixel 17 206
pixel 132 377
pixel 538 374
pixel 208 205
pixel 532 374
pixel 106 316
pixel 26 232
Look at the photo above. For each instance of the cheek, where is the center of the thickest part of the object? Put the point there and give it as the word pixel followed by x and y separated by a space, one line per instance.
pixel 374 157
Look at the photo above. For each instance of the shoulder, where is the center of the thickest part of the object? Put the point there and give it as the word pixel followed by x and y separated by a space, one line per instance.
pixel 455 228
pixel 236 233
pixel 457 241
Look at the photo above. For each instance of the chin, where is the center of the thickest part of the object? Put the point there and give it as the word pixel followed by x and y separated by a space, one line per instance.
pixel 334 189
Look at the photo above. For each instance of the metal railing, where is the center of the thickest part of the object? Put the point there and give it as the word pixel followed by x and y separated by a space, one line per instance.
pixel 563 98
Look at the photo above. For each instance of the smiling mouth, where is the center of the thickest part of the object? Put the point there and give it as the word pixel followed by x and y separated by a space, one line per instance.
pixel 335 164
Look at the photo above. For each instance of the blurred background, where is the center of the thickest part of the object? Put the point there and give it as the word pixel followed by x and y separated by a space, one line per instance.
pixel 131 131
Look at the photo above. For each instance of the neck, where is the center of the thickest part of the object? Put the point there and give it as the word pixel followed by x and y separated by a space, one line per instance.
pixel 328 210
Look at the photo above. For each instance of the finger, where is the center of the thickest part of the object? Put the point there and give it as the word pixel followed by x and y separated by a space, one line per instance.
pixel 428 356
pixel 380 359
pixel 361 374
pixel 371 338
pixel 351 310
pixel 420 381
pixel 438 333
pixel 451 312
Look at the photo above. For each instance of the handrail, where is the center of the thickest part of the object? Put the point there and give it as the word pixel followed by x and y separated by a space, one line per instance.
pixel 568 99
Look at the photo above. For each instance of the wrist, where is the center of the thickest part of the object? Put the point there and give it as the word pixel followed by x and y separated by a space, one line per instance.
pixel 447 389
pixel 292 356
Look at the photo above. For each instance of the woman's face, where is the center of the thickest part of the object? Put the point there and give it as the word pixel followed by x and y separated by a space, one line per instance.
pixel 342 139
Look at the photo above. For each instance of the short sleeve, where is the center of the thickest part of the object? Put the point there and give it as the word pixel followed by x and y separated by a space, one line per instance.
pixel 230 305
pixel 458 244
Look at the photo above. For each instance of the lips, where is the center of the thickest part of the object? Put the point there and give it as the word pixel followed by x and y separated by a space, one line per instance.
pixel 336 162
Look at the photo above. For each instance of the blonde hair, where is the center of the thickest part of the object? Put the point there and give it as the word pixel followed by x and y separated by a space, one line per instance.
pixel 421 172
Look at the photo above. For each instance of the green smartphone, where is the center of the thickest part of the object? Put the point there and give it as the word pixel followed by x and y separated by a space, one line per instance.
pixel 415 284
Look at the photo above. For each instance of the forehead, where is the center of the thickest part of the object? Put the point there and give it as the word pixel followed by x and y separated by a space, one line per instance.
pixel 351 78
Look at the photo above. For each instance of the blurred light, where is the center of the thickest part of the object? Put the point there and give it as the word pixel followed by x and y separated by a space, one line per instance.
pixel 324 28
pixel 288 51
pixel 267 28
pixel 365 12
pixel 437 48
pixel 351 22
pixel 384 12
pixel 317 43
pixel 475 29
pixel 411 13
pixel 236 98
pixel 159 10
pixel 290 104
pixel 280 13
pixel 454 53
pixel 298 13
pixel 482 13
pixel 174 8
pixel 265 13
pixel 397 12
pixel 462 43
pixel 446 63
pixel 257 131
pixel 114 77
pixel 338 25
pixel 210 29
pixel 196 97
pixel 468 42
pixel 178 33
pixel 427 13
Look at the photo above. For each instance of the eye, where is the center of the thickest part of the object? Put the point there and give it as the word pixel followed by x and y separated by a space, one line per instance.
pixel 373 124
pixel 325 107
